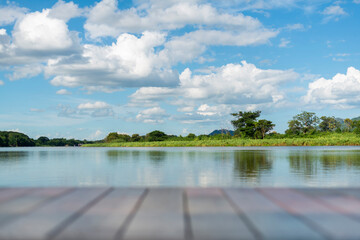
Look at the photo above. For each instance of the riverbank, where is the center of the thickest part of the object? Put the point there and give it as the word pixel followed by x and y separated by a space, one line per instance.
pixel 328 140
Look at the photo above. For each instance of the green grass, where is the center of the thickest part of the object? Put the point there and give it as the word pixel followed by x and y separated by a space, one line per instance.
pixel 333 139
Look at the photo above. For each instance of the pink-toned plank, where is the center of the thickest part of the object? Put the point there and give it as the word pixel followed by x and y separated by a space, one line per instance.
pixel 8 194
pixel 271 221
pixel 52 217
pixel 104 219
pixel 19 206
pixel 339 200
pixel 212 216
pixel 160 216
pixel 328 221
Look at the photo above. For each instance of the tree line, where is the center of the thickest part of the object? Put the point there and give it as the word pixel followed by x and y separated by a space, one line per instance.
pixel 16 139
pixel 247 125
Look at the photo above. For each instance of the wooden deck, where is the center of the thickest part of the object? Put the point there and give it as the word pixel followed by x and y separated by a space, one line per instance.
pixel 179 213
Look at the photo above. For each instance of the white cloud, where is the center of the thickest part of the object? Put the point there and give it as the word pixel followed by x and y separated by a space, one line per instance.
pixel 333 12
pixel 95 105
pixel 105 19
pixel 341 91
pixel 96 135
pixel 10 14
pixel 296 26
pixel 26 71
pixel 37 31
pixel 284 43
pixel 357 1
pixel 63 92
pixel 152 115
pixel 65 11
pixel 214 93
pixel 93 109
pixel 1 83
pixel 130 62
pixel 36 110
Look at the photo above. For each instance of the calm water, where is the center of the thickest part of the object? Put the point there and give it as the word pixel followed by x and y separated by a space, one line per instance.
pixel 260 166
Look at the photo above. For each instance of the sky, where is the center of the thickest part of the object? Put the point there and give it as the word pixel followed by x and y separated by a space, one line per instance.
pixel 82 69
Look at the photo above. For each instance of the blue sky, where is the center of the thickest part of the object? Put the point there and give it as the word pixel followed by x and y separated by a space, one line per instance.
pixel 82 69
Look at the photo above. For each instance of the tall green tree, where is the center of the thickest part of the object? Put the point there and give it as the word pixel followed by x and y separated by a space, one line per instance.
pixel 245 123
pixel 295 127
pixel 348 124
pixel 306 121
pixel 328 124
pixel 263 126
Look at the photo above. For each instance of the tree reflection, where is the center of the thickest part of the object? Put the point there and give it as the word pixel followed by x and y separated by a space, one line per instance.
pixel 13 156
pixel 304 162
pixel 157 156
pixel 115 155
pixel 251 164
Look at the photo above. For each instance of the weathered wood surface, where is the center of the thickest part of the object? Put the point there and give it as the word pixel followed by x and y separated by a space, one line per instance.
pixel 179 213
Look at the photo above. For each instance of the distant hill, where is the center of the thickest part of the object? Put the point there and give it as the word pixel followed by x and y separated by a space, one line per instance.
pixel 221 131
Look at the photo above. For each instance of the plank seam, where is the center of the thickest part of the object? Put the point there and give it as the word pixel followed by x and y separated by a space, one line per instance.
pixel 121 232
pixel 242 216
pixel 64 224
pixel 306 220
pixel 187 218
pixel 37 206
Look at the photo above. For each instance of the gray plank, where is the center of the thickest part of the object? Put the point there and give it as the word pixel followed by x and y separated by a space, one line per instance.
pixel 160 216
pixel 43 222
pixel 8 194
pixel 271 221
pixel 329 222
pixel 340 200
pixel 19 206
pixel 104 219
pixel 212 216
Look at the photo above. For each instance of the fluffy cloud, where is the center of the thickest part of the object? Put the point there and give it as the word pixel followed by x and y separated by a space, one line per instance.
pixel 10 14
pixel 130 62
pixel 26 71
pixel 37 31
pixel 152 115
pixel 92 106
pixel 1 83
pixel 341 91
pixel 105 19
pixel 65 11
pixel 213 93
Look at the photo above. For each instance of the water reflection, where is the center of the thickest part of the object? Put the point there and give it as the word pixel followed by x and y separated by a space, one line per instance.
pixel 157 156
pixel 13 156
pixel 309 163
pixel 252 164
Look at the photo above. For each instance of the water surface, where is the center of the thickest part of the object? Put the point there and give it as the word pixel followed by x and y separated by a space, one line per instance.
pixel 200 167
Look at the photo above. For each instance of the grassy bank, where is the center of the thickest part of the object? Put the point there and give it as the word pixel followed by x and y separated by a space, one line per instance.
pixel 335 139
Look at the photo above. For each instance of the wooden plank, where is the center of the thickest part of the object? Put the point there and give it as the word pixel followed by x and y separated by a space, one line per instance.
pixel 160 216
pixel 19 206
pixel 45 222
pixel 104 219
pixel 340 200
pixel 329 222
pixel 271 221
pixel 212 216
pixel 8 194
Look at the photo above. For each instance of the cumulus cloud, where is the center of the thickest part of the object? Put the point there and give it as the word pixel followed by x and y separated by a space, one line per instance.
pixel 9 14
pixel 341 91
pixel 65 11
pixel 63 92
pixel 284 43
pixel 37 31
pixel 130 62
pixel 231 85
pixel 152 115
pixel 105 19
